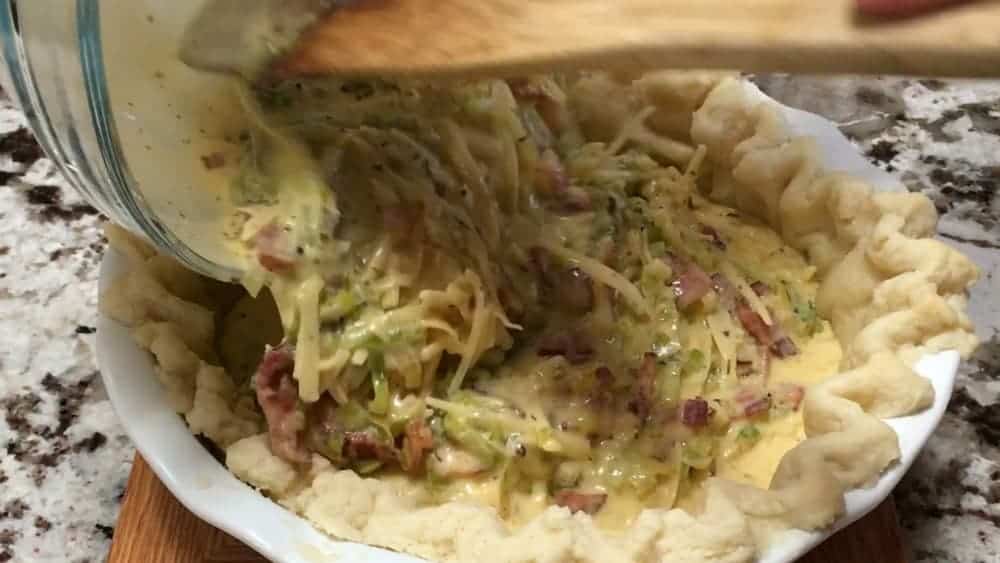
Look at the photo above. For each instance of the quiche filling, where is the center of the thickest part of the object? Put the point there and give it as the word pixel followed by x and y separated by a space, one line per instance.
pixel 479 295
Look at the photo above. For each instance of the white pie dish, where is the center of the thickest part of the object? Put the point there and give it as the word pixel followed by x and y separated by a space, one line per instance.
pixel 211 492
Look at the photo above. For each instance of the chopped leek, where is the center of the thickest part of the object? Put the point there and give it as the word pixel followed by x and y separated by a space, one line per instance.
pixel 805 311
pixel 340 305
pixel 535 433
pixel 698 452
pixel 669 382
pixel 472 440
pixel 749 433
pixel 380 403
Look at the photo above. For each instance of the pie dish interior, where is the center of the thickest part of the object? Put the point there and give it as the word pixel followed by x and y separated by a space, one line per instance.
pixel 894 296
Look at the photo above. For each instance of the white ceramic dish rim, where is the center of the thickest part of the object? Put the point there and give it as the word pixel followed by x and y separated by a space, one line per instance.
pixel 212 493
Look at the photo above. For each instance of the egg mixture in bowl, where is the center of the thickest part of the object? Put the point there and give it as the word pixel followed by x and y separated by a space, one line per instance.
pixel 589 317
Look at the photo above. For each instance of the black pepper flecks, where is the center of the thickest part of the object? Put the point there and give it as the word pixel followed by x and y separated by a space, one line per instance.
pixel 21 146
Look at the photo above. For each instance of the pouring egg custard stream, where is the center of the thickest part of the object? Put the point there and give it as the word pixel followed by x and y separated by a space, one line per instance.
pixel 503 292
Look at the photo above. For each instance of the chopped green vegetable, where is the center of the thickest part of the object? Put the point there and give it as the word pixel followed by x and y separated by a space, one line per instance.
pixel 403 409
pixel 340 305
pixel 698 452
pixel 805 311
pixel 695 361
pixel 368 466
pixel 567 475
pixel 669 381
pixel 749 433
pixel 471 440
pixel 379 405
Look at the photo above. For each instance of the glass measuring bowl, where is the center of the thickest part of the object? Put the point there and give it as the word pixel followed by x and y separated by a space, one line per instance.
pixel 145 139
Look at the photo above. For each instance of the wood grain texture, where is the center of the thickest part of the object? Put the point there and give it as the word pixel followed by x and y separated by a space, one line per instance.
pixel 154 528
pixel 502 37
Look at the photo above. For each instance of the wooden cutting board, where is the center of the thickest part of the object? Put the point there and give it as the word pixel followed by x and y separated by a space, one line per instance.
pixel 154 528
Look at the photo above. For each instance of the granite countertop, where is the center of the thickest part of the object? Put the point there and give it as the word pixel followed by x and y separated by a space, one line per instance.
pixel 68 459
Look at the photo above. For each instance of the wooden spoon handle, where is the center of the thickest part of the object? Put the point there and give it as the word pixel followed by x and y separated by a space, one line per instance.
pixel 503 37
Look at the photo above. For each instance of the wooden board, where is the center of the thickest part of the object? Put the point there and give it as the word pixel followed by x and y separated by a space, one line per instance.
pixel 154 528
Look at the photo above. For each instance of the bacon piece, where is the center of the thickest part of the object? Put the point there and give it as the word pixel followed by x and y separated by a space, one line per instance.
pixel 542 262
pixel 511 303
pixel 760 288
pixel 645 387
pixel 417 441
pixel 576 291
pixel 771 337
pixel 366 445
pixel 278 396
pixel 577 199
pixel 554 182
pixel 396 221
pixel 751 401
pixel 759 406
pixel 213 160
pixel 571 288
pixel 274 250
pixel 577 501
pixel 551 175
pixel 695 412
pixel 691 283
pixel 723 287
pixel 789 395
pixel 783 347
pixel 713 237
pixel 574 346
pixel 527 90
pixel 605 378
pixel 602 394
pixel 403 224
pixel 753 323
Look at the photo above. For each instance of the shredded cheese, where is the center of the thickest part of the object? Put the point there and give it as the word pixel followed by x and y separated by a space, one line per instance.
pixel 754 300
pixel 603 274
pixel 306 370
pixel 474 345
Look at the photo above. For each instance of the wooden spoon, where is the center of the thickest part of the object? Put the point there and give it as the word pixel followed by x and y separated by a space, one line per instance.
pixel 504 37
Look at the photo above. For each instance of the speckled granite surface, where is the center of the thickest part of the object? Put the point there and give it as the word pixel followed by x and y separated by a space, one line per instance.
pixel 67 460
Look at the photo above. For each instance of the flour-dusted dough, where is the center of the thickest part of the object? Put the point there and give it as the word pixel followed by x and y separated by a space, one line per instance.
pixel 891 293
